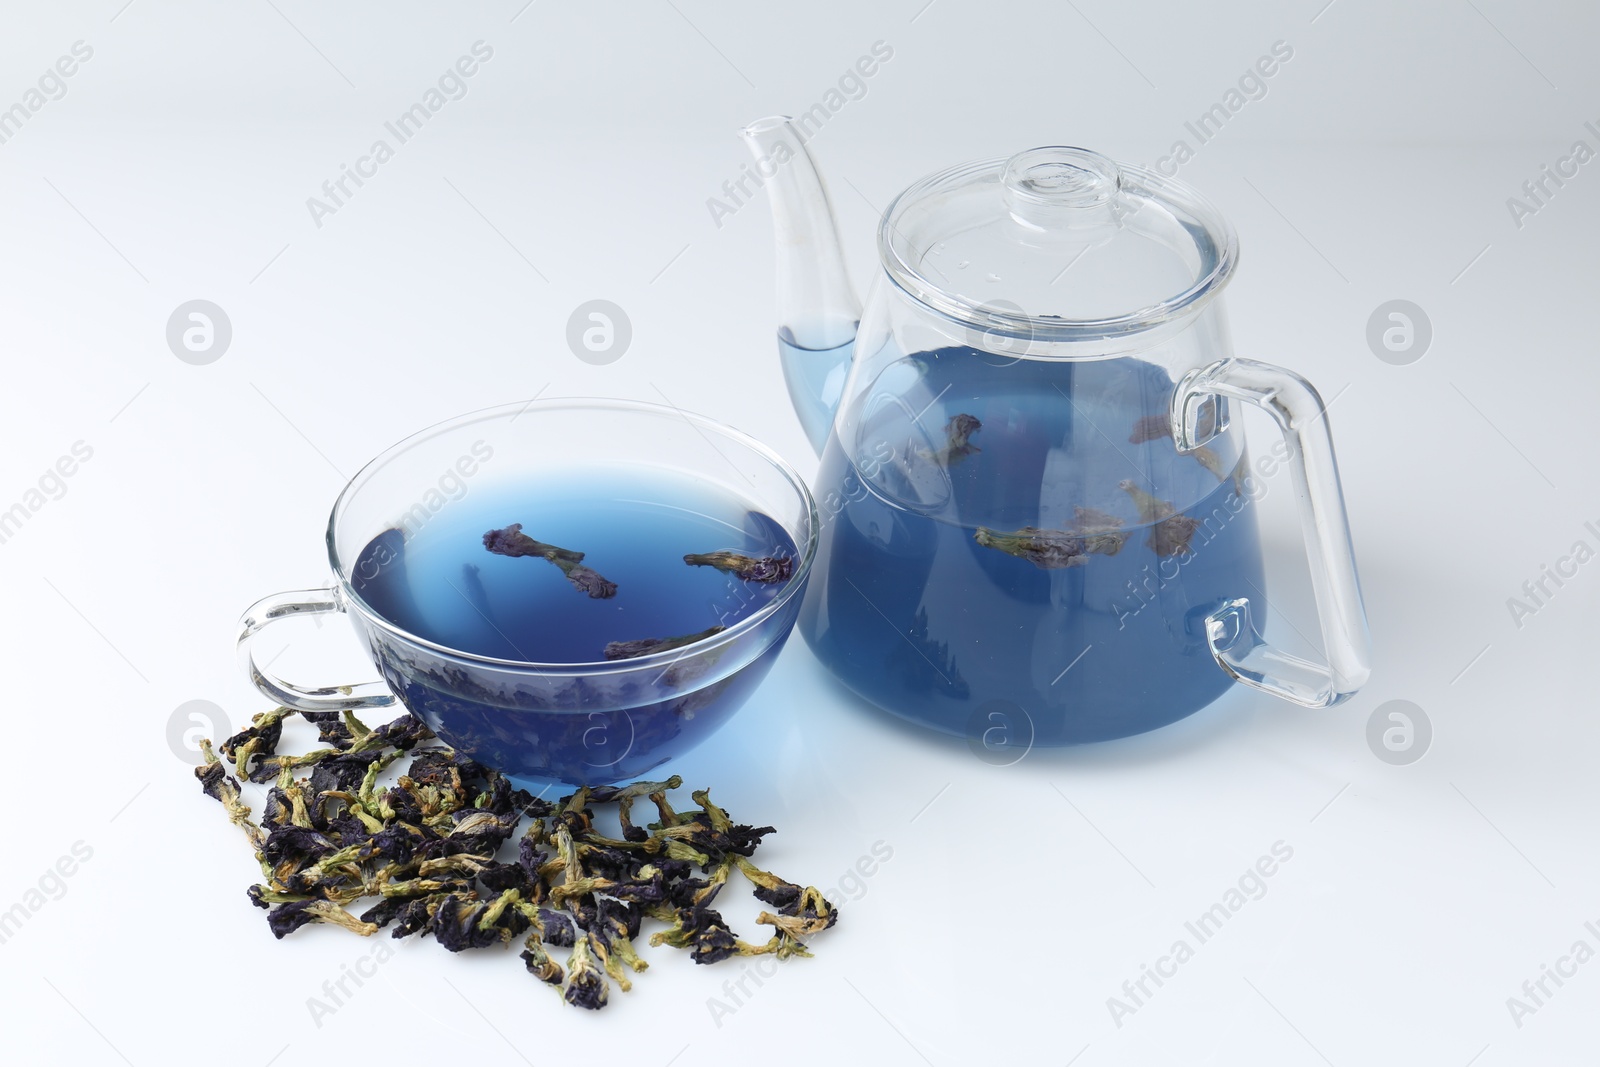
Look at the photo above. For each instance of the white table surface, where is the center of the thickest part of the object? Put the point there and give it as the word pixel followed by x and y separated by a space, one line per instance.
pixel 1017 900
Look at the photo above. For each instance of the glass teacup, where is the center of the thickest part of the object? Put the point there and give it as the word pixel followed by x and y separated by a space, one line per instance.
pixel 592 721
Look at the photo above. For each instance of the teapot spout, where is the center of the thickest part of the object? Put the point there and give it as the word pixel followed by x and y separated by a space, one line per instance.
pixel 817 310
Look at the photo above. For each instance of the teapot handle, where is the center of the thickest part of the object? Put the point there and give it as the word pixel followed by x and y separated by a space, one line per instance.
pixel 1235 643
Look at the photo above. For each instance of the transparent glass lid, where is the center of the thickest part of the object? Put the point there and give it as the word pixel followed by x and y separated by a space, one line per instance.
pixel 1057 244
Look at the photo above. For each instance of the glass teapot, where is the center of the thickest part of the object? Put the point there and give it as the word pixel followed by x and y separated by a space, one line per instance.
pixel 1038 517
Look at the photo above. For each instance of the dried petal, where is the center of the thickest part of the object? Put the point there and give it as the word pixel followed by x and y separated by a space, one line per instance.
pixel 1171 530
pixel 650 645
pixel 1101 531
pixel 1045 549
pixel 287 918
pixel 511 541
pixel 958 445
pixel 764 569
pixel 586 986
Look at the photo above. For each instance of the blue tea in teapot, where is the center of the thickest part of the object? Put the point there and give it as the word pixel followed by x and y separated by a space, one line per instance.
pixel 1072 611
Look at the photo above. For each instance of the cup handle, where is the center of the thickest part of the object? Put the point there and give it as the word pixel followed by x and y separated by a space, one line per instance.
pixel 327 698
pixel 1230 632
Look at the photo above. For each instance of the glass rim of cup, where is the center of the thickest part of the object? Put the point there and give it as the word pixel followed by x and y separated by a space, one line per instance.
pixel 654 660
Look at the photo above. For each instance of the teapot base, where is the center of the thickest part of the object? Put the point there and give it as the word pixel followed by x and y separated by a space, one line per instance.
pixel 939 624
pixel 1001 729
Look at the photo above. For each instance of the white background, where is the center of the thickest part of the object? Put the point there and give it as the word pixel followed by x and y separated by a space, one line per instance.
pixel 1378 165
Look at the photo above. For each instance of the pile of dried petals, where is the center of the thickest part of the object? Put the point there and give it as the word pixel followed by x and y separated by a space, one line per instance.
pixel 426 847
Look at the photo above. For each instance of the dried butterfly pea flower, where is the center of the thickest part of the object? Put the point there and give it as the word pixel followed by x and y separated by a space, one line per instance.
pixel 785 896
pixel 586 986
pixel 264 897
pixel 1150 428
pixel 281 768
pixel 699 928
pixel 404 733
pixel 624 796
pixel 1045 549
pixel 539 963
pixel 1091 532
pixel 260 737
pixel 437 768
pixel 958 431
pixel 481 831
pixel 332 729
pixel 340 774
pixel 1153 427
pixel 802 910
pixel 702 930
pixel 460 923
pixel 287 918
pixel 559 928
pixel 711 940
pixel 650 645
pixel 296 844
pixel 533 955
pixel 416 916
pixel 1171 530
pixel 1101 531
pixel 722 836
pixel 511 541
pixel 615 936
pixel 807 916
pixel 385 911
pixel 764 569
pixel 529 857
pixel 500 877
pixel 1212 462
pixel 217 784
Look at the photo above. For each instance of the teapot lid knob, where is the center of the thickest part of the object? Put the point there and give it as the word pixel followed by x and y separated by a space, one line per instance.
pixel 1040 182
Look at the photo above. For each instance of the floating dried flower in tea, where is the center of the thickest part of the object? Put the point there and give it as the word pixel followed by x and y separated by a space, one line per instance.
pixel 651 645
pixel 958 445
pixel 1212 462
pixel 1155 427
pixel 1171 530
pixel 1045 549
pixel 1101 531
pixel 1151 428
pixel 749 568
pixel 428 849
pixel 511 541
pixel 1092 531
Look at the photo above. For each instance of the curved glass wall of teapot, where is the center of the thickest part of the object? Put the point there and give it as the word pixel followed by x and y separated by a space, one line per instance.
pixel 1061 427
